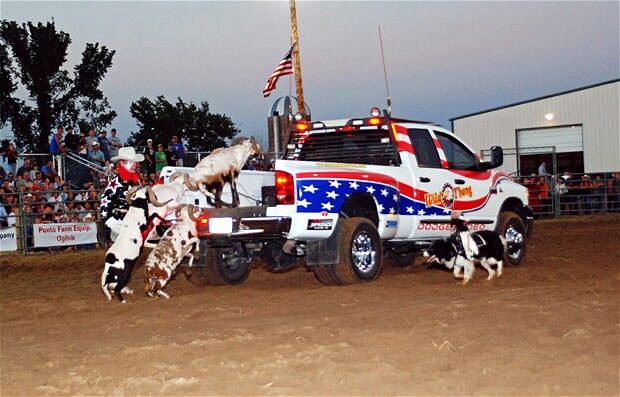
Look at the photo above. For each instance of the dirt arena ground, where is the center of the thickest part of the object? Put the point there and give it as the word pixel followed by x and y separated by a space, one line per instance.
pixel 548 327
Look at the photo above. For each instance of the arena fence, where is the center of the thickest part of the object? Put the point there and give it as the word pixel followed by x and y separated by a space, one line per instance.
pixel 574 194
pixel 35 223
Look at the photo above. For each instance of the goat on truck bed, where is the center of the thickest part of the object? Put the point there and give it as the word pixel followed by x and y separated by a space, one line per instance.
pixel 221 166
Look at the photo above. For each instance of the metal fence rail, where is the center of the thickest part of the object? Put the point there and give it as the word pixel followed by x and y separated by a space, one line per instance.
pixel 27 211
pixel 551 196
pixel 574 194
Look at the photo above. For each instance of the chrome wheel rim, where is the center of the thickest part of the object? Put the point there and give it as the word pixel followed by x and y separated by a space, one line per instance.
pixel 363 253
pixel 515 242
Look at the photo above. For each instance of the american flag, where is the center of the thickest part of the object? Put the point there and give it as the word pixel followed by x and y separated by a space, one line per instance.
pixel 284 68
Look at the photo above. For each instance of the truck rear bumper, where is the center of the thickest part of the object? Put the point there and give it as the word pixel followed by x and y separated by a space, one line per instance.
pixel 247 223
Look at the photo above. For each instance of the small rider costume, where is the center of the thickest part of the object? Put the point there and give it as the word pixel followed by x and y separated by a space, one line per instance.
pixel 465 243
pixel 114 201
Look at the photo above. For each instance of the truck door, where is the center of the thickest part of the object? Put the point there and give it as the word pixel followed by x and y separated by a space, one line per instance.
pixel 431 217
pixel 465 187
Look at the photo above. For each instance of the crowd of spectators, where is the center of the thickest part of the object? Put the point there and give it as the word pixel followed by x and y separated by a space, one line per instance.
pixel 574 194
pixel 157 156
pixel 47 198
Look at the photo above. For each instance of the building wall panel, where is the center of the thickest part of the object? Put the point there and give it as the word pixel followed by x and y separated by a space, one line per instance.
pixel 597 109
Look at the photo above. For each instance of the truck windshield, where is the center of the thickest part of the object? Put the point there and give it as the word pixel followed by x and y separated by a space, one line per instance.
pixel 363 146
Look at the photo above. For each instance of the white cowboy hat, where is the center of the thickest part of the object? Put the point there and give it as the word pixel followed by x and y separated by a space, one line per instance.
pixel 128 153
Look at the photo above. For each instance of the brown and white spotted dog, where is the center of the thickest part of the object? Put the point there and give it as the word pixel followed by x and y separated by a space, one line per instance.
pixel 178 242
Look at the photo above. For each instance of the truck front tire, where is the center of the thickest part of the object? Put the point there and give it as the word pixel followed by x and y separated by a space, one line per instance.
pixel 511 227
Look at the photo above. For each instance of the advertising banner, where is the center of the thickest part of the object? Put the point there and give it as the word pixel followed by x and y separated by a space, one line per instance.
pixel 8 239
pixel 63 234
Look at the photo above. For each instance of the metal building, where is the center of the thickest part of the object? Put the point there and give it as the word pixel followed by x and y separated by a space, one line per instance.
pixel 581 126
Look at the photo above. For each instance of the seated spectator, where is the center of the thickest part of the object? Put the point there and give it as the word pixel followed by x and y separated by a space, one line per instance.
pixel 87 209
pixel 60 217
pixel 79 208
pixel 49 171
pixel 6 186
pixel 80 196
pixel 59 184
pixel 56 201
pixel 38 207
pixel 73 217
pixel 38 178
pixel 27 167
pixel 48 213
pixel 3 217
pixel 67 195
pixel 88 217
pixel 9 200
pixel 33 171
pixel 96 155
pixel 46 191
pixel 10 178
pixel 23 180
pixel 36 192
pixel 13 215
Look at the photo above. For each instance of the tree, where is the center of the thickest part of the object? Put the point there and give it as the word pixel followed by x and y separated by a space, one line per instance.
pixel 55 98
pixel 200 130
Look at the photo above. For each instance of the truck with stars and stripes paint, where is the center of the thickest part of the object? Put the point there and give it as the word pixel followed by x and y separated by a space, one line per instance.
pixel 348 192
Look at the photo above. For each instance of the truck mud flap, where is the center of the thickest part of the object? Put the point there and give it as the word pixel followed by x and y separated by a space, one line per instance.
pixel 324 252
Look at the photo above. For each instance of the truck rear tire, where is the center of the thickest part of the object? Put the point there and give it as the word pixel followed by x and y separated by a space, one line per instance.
pixel 360 251
pixel 219 266
pixel 326 275
pixel 511 227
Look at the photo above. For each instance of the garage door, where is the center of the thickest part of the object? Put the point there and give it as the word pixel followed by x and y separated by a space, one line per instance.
pixel 565 139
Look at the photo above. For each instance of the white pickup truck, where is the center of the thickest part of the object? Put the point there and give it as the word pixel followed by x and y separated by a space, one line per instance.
pixel 348 192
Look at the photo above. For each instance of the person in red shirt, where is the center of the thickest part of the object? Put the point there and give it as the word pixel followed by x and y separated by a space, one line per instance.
pixel 113 202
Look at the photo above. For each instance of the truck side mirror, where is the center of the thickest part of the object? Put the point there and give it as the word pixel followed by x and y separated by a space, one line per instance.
pixel 497 156
pixel 497 159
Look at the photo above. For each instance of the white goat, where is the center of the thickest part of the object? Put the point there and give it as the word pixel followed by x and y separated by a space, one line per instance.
pixel 178 242
pixel 121 256
pixel 221 166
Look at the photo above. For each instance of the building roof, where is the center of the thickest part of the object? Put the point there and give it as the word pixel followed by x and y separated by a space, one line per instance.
pixel 533 100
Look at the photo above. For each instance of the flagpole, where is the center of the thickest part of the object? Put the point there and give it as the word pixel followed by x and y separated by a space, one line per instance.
pixel 301 107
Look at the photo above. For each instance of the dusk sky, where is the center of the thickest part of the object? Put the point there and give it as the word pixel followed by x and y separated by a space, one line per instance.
pixel 444 59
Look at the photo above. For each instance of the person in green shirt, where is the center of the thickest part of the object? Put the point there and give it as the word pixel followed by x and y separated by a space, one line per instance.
pixel 160 158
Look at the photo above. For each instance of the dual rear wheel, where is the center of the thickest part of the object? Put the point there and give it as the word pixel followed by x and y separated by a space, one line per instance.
pixel 220 266
pixel 360 255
